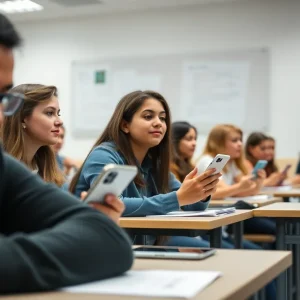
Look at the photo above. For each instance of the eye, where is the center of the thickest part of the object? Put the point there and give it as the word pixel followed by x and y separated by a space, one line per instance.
pixel 49 113
pixel 163 119
pixel 148 117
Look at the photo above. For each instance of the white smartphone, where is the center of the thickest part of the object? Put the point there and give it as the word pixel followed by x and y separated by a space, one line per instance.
pixel 218 163
pixel 112 180
pixel 165 252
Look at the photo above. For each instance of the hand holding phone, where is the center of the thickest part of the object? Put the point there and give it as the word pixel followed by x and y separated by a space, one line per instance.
pixel 112 180
pixel 261 164
pixel 284 174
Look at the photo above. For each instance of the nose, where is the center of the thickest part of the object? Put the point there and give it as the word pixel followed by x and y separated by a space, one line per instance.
pixel 157 122
pixel 58 122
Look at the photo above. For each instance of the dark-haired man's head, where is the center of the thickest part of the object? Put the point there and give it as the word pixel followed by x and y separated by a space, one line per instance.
pixel 9 39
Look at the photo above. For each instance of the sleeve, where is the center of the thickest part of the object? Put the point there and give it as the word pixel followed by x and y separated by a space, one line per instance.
pixel 51 239
pixel 198 206
pixel 134 206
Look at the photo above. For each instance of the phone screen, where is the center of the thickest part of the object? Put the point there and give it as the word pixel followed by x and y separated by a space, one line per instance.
pixel 173 249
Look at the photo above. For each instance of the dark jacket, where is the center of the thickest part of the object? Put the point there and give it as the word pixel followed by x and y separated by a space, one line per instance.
pixel 49 239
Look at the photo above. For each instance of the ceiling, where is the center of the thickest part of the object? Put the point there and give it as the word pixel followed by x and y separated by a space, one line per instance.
pixel 59 9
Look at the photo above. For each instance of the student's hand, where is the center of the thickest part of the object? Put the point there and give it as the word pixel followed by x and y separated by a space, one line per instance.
pixel 197 187
pixel 273 179
pixel 261 176
pixel 113 209
pixel 246 183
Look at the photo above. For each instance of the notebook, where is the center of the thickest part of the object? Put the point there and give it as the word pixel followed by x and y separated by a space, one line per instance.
pixel 206 213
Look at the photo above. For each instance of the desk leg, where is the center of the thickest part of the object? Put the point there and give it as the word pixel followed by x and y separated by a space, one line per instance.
pixel 238 231
pixel 216 238
pixel 280 245
pixel 297 262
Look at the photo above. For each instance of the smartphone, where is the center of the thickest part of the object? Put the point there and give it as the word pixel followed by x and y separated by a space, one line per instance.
pixel 259 165
pixel 112 180
pixel 284 173
pixel 165 252
pixel 286 169
pixel 218 163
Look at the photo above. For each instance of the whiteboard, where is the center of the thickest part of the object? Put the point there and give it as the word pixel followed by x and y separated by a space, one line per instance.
pixel 203 88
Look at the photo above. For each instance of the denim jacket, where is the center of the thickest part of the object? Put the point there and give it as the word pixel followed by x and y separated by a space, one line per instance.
pixel 139 201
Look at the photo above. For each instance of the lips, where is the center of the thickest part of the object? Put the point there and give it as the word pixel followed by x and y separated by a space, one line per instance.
pixel 155 132
pixel 55 131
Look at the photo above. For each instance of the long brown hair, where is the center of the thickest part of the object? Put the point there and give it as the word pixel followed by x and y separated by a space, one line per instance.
pixel 12 132
pixel 183 166
pixel 216 143
pixel 255 139
pixel 159 154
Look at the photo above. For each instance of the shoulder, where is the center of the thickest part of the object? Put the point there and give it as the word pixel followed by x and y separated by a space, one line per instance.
pixel 248 165
pixel 106 153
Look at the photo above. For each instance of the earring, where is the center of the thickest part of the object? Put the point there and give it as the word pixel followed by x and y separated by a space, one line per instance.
pixel 24 126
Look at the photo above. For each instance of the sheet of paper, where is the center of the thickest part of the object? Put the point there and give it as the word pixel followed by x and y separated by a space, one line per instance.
pixel 206 213
pixel 151 283
pixel 250 198
pixel 277 188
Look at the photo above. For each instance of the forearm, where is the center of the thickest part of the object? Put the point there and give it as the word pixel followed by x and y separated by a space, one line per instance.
pixel 156 205
pixel 86 248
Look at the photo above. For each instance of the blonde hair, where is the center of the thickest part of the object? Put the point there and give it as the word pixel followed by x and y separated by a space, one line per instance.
pixel 12 133
pixel 216 143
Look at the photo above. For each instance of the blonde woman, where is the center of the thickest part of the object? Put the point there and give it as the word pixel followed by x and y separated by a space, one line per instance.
pixel 227 139
pixel 30 132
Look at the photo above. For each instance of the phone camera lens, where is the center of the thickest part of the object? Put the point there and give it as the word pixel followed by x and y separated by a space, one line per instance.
pixel 219 159
pixel 110 177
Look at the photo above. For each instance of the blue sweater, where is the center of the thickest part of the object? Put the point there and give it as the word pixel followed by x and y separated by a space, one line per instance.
pixel 138 201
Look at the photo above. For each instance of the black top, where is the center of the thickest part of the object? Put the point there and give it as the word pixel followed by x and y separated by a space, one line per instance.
pixel 49 239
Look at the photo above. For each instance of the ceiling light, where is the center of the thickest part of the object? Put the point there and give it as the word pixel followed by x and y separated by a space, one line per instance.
pixel 19 6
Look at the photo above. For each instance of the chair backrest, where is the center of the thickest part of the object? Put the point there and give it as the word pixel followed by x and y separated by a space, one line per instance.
pixel 282 162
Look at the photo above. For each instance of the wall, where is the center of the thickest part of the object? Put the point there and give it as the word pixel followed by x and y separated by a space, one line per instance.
pixel 51 46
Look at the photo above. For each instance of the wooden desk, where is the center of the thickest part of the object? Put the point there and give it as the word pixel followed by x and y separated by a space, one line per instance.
pixel 244 273
pixel 287 216
pixel 286 194
pixel 257 203
pixel 191 226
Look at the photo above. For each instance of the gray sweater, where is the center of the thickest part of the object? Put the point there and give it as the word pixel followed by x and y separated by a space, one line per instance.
pixel 49 239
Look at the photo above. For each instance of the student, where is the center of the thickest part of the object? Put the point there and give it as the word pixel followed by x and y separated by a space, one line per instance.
pixel 184 140
pixel 29 133
pixel 259 146
pixel 138 133
pixel 184 137
pixel 49 239
pixel 227 139
pixel 66 164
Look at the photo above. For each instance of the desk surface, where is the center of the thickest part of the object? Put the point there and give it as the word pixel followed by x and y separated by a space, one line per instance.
pixel 244 273
pixel 196 223
pixel 294 192
pixel 257 203
pixel 281 210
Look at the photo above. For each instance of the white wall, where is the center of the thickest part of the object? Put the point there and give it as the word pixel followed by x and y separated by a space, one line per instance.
pixel 51 46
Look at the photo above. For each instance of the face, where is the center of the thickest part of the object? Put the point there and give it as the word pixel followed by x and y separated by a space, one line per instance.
pixel 234 144
pixel 259 151
pixel 60 142
pixel 43 126
pixel 187 144
pixel 148 125
pixel 270 150
pixel 6 73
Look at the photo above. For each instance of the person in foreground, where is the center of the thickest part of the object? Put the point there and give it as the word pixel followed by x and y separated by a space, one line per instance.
pixel 48 238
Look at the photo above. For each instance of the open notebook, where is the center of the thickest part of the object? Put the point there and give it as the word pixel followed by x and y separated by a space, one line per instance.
pixel 206 213
pixel 250 198
pixel 151 283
